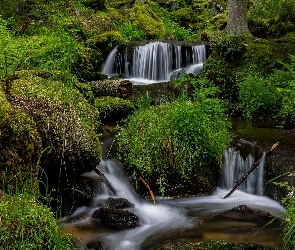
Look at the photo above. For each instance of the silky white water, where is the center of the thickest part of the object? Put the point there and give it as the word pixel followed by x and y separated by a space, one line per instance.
pixel 155 62
pixel 165 220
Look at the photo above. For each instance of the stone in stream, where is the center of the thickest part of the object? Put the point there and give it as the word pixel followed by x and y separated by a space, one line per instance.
pixel 116 218
pixel 244 208
pixel 118 203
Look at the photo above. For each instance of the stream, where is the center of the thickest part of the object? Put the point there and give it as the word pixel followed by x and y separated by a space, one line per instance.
pixel 191 219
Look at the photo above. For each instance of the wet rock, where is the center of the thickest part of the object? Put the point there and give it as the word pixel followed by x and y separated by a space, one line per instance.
pixel 115 88
pixel 118 203
pixel 95 246
pixel 116 218
pixel 244 208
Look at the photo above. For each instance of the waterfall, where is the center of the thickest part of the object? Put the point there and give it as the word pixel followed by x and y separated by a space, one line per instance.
pixel 155 61
pixel 234 167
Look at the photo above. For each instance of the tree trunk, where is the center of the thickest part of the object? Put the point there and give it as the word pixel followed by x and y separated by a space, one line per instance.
pixel 237 17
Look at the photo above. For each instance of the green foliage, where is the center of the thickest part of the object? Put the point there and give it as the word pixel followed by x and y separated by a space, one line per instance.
pixel 25 224
pixel 259 98
pixel 286 87
pixel 174 31
pixel 177 139
pixel 289 215
pixel 270 96
pixel 50 51
pixel 272 18
pixel 131 33
pixel 219 73
pixel 23 13
pixel 113 108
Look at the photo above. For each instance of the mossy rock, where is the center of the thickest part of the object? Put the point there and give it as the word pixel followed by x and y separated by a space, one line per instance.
pixel 145 19
pixel 70 148
pixel 215 245
pixel 86 66
pixel 20 147
pixel 288 38
pixel 121 4
pixel 115 88
pixel 26 224
pixel 113 109
pixel 66 123
pixel 106 41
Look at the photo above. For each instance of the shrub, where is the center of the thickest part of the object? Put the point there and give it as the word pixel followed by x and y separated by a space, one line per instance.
pixel 26 224
pixel 259 97
pixel 178 139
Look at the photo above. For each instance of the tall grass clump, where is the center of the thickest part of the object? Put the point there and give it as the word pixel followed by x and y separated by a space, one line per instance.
pixel 180 139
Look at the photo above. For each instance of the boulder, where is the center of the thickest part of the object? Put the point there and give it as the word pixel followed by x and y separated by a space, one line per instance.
pixel 118 203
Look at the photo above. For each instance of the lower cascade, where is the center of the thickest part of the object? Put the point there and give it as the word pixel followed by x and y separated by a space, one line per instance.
pixel 155 61
pixel 191 219
pixel 234 167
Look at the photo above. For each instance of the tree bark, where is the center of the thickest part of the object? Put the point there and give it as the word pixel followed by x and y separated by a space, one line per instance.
pixel 237 17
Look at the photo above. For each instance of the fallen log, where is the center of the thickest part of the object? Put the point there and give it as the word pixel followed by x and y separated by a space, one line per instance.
pixel 254 166
pixel 105 180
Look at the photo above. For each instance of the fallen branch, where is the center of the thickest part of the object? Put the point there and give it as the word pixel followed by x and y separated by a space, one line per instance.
pixel 109 185
pixel 149 189
pixel 254 166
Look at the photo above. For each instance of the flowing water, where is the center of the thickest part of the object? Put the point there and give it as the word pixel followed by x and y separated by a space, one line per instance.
pixel 185 219
pixel 155 61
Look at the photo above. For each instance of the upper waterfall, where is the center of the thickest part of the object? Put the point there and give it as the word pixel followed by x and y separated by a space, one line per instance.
pixel 155 61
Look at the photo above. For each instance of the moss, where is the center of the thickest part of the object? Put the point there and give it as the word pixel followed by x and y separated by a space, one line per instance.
pixel 288 38
pixel 259 54
pixel 20 148
pixel 106 41
pixel 144 18
pixel 25 224
pixel 113 108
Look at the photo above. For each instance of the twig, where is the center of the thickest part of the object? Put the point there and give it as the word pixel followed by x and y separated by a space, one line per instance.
pixel 149 189
pixel 254 166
